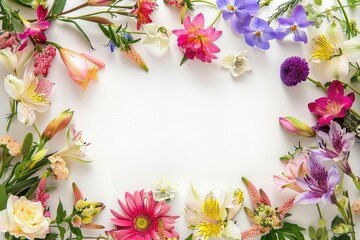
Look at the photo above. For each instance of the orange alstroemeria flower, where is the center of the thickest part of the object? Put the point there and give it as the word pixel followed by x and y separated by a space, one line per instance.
pixel 82 67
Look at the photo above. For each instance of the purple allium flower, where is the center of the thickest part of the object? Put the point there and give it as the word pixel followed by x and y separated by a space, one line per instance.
pixel 292 24
pixel 258 33
pixel 294 70
pixel 319 184
pixel 236 11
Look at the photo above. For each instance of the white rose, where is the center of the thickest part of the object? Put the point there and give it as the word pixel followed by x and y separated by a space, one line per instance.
pixel 24 218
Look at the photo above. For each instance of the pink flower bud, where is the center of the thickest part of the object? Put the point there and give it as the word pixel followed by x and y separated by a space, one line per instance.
pixel 57 124
pixel 295 127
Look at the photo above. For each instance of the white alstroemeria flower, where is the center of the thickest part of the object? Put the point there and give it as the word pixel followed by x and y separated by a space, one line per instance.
pixel 232 199
pixel 237 64
pixel 164 189
pixel 32 95
pixel 156 35
pixel 337 53
pixel 16 62
pixel 231 231
pixel 75 148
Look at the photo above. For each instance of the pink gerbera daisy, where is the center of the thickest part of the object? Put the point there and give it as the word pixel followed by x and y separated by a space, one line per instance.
pixel 143 219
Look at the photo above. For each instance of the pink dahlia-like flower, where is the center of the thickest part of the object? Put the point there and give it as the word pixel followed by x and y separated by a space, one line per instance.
pixel 196 40
pixel 143 218
pixel 333 106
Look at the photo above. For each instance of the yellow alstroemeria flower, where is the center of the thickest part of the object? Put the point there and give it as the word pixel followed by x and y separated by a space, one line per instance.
pixel 337 53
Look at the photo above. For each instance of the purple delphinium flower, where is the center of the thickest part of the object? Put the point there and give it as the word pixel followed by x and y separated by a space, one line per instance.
pixel 258 33
pixel 336 146
pixel 237 11
pixel 294 70
pixel 293 24
pixel 319 184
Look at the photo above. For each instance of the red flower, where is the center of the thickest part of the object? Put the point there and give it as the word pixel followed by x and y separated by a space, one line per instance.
pixel 142 11
pixel 333 106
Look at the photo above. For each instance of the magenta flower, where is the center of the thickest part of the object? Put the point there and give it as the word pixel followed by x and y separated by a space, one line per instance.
pixel 294 70
pixel 196 40
pixel 293 24
pixel 333 106
pixel 143 218
pixel 319 184
pixel 36 29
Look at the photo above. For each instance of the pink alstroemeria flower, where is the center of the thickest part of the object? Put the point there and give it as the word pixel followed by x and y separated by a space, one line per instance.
pixel 82 67
pixel 196 40
pixel 293 169
pixel 36 29
pixel 333 106
pixel 142 11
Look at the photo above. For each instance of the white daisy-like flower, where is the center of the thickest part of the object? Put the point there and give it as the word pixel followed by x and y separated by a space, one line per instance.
pixel 237 64
pixel 164 189
pixel 158 36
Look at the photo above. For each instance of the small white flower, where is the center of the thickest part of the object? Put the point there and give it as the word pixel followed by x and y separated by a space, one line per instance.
pixel 237 65
pixel 164 189
pixel 158 36
pixel 231 231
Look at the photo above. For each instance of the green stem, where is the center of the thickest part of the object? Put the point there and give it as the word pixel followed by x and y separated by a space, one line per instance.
pixel 37 131
pixel 73 9
pixel 101 12
pixel 123 7
pixel 217 18
pixel 136 32
pixel 349 32
pixel 207 2
pixel 54 44
pixel 350 216
pixel 346 85
pixel 317 83
pixel 12 114
pixel 319 210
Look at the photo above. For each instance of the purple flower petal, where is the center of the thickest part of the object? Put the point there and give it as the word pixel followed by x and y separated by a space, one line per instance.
pixel 286 21
pixel 282 32
pixel 300 36
pixel 298 14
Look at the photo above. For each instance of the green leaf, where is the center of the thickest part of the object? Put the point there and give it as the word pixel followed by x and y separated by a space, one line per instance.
pixel 318 2
pixel 76 231
pixel 18 26
pixel 57 8
pixel 104 30
pixel 62 231
pixel 189 237
pixel 183 60
pixel 20 186
pixel 26 145
pixel 50 236
pixel 3 197
pixel 81 31
pixel 26 3
pixel 60 213
pixel 189 5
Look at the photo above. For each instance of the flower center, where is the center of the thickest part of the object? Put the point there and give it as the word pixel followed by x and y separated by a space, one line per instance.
pixel 266 216
pixel 142 223
pixel 231 8
pixel 258 33
pixel 293 28
pixel 239 62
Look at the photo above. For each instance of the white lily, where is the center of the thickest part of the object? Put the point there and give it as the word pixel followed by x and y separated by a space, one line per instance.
pixel 75 148
pixel 32 95
pixel 158 36
pixel 237 64
pixel 16 62
pixel 337 53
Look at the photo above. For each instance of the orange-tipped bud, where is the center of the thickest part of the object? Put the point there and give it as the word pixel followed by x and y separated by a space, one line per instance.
pixel 57 124
pixel 135 57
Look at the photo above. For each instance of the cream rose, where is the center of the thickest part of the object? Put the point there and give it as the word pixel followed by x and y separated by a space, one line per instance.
pixel 24 218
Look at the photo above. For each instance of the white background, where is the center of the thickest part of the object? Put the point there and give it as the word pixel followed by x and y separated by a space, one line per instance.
pixel 194 124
